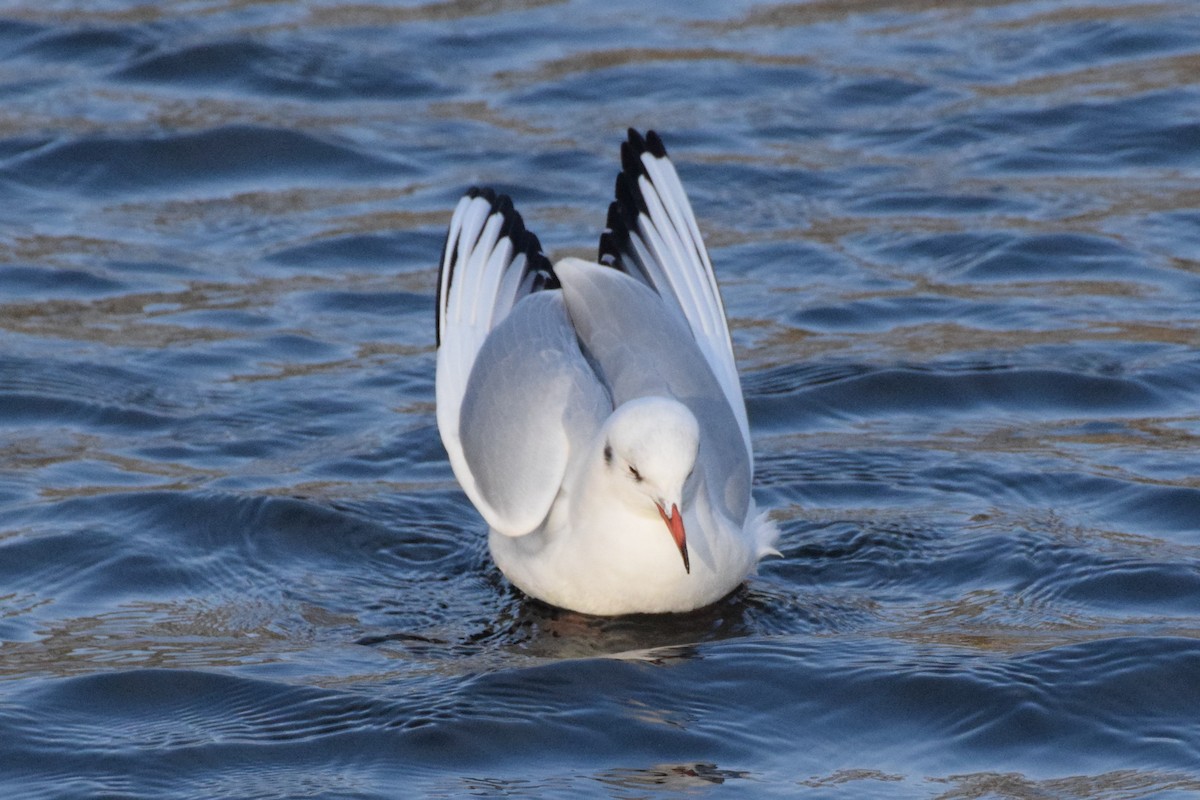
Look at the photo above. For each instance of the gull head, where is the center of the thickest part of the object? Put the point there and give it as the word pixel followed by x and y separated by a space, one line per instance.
pixel 649 452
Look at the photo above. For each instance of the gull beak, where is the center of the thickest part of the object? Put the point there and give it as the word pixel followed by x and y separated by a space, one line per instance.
pixel 675 525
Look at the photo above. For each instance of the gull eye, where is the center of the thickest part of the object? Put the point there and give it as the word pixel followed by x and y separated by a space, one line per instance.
pixel 637 476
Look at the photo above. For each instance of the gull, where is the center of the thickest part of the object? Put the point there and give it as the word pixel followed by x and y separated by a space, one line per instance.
pixel 592 412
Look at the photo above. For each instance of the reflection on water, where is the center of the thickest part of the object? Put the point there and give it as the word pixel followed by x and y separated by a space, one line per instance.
pixel 674 777
pixel 958 245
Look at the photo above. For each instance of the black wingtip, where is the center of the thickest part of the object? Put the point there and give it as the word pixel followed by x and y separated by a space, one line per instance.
pixel 651 143
pixel 537 272
pixel 486 192
pixel 613 250
pixel 629 197
pixel 654 145
pixel 636 142
pixel 614 219
pixel 616 242
pixel 609 254
pixel 512 225
pixel 631 158
pixel 615 238
pixel 537 265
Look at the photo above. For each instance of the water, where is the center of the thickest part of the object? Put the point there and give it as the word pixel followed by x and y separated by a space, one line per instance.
pixel 960 248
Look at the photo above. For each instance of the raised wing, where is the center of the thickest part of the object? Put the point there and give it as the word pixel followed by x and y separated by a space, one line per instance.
pixel 652 235
pixel 639 349
pixel 488 262
pixel 515 396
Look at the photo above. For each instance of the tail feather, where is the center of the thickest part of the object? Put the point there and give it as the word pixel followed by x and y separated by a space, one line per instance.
pixel 765 533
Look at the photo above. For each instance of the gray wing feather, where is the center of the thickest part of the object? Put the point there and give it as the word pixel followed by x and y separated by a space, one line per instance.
pixel 639 348
pixel 532 402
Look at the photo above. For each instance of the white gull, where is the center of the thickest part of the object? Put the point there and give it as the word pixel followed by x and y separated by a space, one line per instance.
pixel 592 412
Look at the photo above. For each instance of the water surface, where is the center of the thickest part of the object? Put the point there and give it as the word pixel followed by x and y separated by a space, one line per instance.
pixel 960 249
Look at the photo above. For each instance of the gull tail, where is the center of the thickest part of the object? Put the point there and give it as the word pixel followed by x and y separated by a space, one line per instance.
pixel 765 533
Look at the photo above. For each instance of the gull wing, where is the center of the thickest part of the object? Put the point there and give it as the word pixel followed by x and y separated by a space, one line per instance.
pixel 510 377
pixel 652 235
pixel 638 348
pixel 532 403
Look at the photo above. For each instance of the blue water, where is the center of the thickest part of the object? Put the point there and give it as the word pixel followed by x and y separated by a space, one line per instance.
pixel 959 243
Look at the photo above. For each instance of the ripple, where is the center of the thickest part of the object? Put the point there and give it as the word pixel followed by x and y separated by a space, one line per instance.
pixel 34 282
pixel 96 396
pixel 229 157
pixel 311 71
pixel 93 46
pixel 1084 137
pixel 919 391
pixel 358 251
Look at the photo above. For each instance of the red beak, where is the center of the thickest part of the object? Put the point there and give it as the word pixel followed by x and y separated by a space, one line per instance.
pixel 675 525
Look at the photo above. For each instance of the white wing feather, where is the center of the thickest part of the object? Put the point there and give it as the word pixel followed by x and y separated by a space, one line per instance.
pixel 486 243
